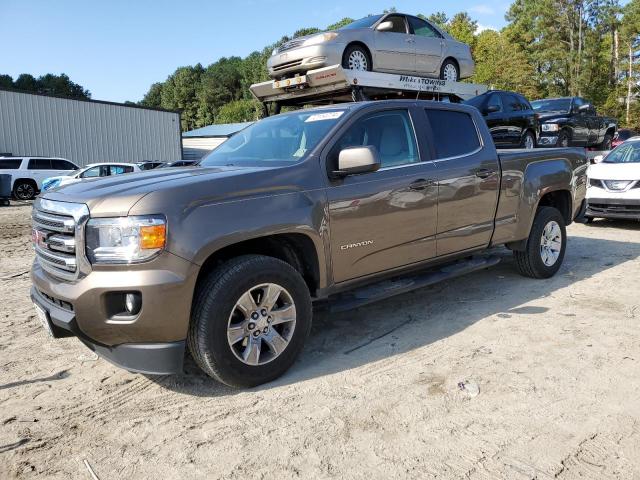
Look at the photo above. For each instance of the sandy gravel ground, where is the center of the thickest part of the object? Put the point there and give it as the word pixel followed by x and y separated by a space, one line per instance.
pixel 375 395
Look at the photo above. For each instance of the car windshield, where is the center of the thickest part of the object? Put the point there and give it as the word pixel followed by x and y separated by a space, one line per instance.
pixel 625 153
pixel 275 141
pixel 553 105
pixel 366 22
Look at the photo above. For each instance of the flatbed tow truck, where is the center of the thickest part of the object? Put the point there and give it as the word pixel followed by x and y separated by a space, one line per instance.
pixel 335 84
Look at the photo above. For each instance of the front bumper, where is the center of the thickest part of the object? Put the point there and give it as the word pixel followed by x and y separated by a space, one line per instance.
pixel 303 59
pixel 622 209
pixel 153 341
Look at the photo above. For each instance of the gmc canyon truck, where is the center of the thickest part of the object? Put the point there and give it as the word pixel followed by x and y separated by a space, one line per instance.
pixel 573 122
pixel 347 204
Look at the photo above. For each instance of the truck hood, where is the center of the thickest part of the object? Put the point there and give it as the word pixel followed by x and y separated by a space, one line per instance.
pixel 545 117
pixel 115 196
pixel 615 171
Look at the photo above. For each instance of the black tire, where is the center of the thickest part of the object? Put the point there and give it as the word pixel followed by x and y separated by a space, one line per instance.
pixel 564 139
pixel 588 220
pixel 445 65
pixel 214 301
pixel 606 143
pixel 356 49
pixel 530 262
pixel 528 135
pixel 24 190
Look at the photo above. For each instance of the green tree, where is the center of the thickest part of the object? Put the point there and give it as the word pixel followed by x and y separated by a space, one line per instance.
pixel 153 98
pixel 306 31
pixel 239 111
pixel 345 21
pixel 463 28
pixel 220 83
pixel 179 92
pixel 440 19
pixel 26 82
pixel 61 85
pixel 6 81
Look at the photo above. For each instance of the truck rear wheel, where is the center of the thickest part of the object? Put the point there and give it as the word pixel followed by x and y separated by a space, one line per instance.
pixel 250 319
pixel 544 252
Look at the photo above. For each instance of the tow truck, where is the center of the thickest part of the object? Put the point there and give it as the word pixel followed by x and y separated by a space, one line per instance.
pixel 335 84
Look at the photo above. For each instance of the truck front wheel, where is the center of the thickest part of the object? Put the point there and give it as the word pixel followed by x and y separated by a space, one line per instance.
pixel 250 319
pixel 544 251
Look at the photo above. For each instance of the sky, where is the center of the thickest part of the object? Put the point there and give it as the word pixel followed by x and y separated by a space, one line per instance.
pixel 118 48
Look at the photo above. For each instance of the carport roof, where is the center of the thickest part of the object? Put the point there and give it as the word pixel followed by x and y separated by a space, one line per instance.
pixel 221 130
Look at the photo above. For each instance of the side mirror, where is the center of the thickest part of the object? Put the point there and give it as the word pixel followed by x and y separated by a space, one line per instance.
pixel 491 109
pixel 597 159
pixel 355 160
pixel 385 26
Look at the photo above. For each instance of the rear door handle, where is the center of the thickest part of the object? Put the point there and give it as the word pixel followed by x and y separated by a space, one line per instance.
pixel 484 172
pixel 421 184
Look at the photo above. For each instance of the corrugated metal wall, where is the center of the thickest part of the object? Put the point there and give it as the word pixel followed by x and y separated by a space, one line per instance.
pixel 86 132
pixel 194 148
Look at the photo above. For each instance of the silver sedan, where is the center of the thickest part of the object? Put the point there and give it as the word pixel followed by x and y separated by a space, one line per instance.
pixel 390 43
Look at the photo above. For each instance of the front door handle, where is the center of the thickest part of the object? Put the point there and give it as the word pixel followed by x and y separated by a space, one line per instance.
pixel 421 184
pixel 484 172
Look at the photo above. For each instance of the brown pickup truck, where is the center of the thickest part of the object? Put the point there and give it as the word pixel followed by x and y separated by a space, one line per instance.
pixel 348 204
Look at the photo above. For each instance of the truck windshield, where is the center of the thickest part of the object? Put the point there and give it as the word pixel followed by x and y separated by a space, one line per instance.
pixel 275 141
pixel 553 105
pixel 625 153
pixel 365 22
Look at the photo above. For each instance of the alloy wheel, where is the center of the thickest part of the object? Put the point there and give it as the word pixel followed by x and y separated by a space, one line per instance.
pixel 450 72
pixel 528 141
pixel 358 61
pixel 551 243
pixel 25 191
pixel 261 324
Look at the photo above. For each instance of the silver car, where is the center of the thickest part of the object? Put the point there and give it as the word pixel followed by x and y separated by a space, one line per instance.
pixel 391 43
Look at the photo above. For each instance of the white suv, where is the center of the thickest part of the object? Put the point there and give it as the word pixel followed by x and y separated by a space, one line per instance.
pixel 614 183
pixel 27 173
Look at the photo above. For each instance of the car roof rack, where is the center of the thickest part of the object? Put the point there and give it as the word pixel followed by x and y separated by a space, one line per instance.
pixel 335 84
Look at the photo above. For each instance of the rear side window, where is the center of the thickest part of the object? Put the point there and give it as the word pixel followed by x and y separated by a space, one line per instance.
pixel 39 164
pixel 525 103
pixel 511 103
pixel 10 164
pixel 422 28
pixel 62 165
pixel 454 133
pixel 119 169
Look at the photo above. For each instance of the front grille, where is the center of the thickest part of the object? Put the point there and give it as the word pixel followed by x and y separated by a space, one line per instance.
pixel 290 44
pixel 608 208
pixel 57 236
pixel 284 66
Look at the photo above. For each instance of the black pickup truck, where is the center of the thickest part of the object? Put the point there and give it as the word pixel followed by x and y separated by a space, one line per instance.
pixel 573 122
pixel 347 204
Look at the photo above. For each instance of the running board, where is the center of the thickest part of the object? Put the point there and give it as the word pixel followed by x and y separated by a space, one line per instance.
pixel 390 288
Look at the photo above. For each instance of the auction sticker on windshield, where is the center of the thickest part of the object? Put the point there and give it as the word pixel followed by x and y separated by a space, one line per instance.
pixel 317 117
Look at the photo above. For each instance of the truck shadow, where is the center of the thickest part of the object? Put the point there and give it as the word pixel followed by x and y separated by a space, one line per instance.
pixel 340 342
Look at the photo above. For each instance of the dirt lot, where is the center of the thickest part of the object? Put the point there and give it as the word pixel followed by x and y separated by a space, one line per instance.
pixel 375 395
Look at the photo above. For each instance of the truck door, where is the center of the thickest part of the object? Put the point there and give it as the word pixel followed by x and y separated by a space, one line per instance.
pixel 581 123
pixel 468 182
pixel 516 120
pixel 394 49
pixel 497 120
pixel 383 219
pixel 428 46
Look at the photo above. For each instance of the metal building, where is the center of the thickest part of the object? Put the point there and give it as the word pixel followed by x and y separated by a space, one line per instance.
pixel 197 143
pixel 86 131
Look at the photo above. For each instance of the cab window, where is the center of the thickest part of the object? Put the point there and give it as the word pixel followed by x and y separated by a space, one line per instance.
pixel 454 133
pixel 422 28
pixel 390 132
pixel 398 24
pixel 494 101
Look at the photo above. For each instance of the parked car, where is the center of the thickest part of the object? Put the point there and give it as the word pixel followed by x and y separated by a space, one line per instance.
pixel 181 163
pixel 391 43
pixel 27 173
pixel 573 122
pixel 622 136
pixel 229 260
pixel 92 170
pixel 510 118
pixel 149 165
pixel 614 184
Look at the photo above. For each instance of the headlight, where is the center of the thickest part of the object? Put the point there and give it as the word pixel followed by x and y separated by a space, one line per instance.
pixel 550 127
pixel 275 52
pixel 316 39
pixel 125 239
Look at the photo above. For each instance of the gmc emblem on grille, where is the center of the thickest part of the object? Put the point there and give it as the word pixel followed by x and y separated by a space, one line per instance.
pixel 39 238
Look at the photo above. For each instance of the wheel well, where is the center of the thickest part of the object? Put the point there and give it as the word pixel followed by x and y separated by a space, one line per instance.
pixel 360 44
pixel 560 199
pixel 453 60
pixel 296 249
pixel 25 180
pixel 611 131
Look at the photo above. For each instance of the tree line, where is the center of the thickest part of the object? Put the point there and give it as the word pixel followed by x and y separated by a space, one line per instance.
pixel 547 48
pixel 50 84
